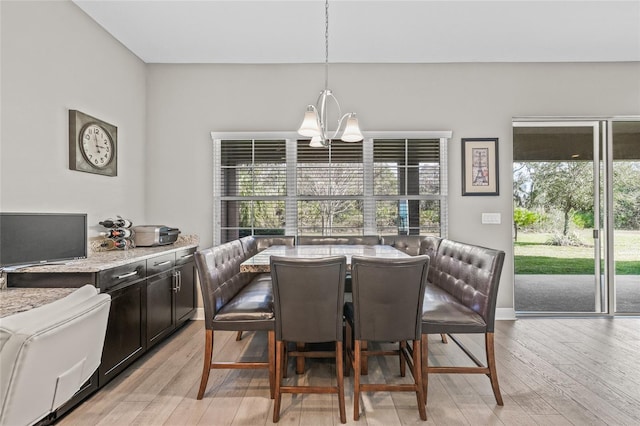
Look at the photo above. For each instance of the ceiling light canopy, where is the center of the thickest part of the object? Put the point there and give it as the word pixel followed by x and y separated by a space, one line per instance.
pixel 315 123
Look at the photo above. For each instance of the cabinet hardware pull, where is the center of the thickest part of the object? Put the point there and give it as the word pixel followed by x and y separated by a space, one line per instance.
pixel 186 256
pixel 166 262
pixel 174 286
pixel 179 280
pixel 128 274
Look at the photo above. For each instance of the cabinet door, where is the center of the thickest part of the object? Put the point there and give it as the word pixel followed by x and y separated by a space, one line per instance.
pixel 125 339
pixel 160 313
pixel 186 294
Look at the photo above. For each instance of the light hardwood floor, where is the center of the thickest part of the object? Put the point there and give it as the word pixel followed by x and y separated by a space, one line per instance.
pixel 551 371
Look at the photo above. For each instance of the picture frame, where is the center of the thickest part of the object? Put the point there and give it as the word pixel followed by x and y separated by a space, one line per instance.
pixel 480 166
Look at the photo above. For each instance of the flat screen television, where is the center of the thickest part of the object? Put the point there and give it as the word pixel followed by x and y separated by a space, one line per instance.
pixel 40 238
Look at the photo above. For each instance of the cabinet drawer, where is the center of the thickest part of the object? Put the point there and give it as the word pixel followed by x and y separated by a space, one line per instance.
pixel 184 256
pixel 158 264
pixel 122 274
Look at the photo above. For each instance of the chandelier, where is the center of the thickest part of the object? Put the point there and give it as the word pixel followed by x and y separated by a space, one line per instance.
pixel 314 124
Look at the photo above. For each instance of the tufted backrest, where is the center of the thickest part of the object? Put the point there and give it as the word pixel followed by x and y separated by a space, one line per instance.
pixel 429 246
pixel 471 274
pixel 256 243
pixel 266 241
pixel 367 240
pixel 220 277
pixel 409 244
pixel 249 245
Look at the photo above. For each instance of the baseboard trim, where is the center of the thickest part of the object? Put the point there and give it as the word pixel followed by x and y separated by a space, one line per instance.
pixel 199 315
pixel 505 314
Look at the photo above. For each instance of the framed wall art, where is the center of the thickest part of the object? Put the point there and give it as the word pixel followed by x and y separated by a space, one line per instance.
pixel 480 166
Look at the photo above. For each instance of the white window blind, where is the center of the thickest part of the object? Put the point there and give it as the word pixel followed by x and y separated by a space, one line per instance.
pixel 275 184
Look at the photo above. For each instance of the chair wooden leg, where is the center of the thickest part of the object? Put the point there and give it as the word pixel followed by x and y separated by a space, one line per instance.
pixel 206 368
pixel 491 363
pixel 349 349
pixel 239 336
pixel 271 339
pixel 363 357
pixel 277 395
pixel 300 360
pixel 443 337
pixel 425 366
pixel 417 378
pixel 285 360
pixel 340 378
pixel 403 364
pixel 356 380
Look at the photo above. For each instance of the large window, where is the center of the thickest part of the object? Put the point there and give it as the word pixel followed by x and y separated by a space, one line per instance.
pixel 275 184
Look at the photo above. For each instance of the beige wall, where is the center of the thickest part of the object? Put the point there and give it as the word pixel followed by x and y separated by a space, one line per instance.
pixel 55 58
pixel 187 102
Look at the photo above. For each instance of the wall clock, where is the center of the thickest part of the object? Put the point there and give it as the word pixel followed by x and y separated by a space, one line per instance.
pixel 93 144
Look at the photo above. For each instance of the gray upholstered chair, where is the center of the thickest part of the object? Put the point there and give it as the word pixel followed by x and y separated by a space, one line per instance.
pixel 308 304
pixel 233 301
pixel 387 307
pixel 461 298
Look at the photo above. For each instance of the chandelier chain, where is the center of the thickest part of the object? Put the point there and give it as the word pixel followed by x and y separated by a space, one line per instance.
pixel 326 44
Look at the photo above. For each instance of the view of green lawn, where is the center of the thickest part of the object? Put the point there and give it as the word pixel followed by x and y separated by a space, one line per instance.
pixel 534 256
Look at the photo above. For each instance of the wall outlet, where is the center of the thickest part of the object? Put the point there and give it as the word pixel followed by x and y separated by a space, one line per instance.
pixel 491 218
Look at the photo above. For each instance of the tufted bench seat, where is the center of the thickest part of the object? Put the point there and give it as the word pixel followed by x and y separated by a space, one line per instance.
pixel 461 298
pixel 236 301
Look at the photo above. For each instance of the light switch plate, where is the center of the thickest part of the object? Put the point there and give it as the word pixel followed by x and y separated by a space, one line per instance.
pixel 491 218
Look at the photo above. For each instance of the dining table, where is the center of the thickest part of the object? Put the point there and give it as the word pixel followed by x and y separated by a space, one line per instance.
pixel 260 261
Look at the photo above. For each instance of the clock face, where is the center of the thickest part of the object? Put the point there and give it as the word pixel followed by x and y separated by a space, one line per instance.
pixel 93 144
pixel 96 145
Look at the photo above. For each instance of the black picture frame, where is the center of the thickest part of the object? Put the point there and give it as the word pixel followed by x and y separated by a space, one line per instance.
pixel 480 166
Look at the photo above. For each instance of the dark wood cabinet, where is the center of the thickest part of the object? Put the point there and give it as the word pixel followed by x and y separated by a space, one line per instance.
pixel 185 296
pixel 151 296
pixel 170 293
pixel 160 311
pixel 125 339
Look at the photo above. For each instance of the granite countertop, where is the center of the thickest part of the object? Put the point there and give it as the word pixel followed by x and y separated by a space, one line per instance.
pixel 103 260
pixel 15 299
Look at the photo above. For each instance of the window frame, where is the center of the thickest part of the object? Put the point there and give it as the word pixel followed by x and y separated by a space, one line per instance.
pixel 369 199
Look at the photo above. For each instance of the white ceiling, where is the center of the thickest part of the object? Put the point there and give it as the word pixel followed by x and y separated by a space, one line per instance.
pixel 363 31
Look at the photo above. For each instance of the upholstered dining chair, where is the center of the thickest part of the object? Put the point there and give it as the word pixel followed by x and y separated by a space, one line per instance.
pixel 308 305
pixel 387 307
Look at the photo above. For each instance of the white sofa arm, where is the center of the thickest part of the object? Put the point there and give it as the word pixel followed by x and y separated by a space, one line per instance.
pixel 47 353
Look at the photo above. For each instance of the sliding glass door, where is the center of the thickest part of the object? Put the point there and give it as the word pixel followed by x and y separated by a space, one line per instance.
pixel 576 216
pixel 557 221
pixel 625 193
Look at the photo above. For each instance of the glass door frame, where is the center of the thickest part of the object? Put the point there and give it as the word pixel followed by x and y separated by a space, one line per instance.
pixel 604 250
pixel 598 141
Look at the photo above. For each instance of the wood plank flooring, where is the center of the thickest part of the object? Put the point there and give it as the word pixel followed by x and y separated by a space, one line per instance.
pixel 562 371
